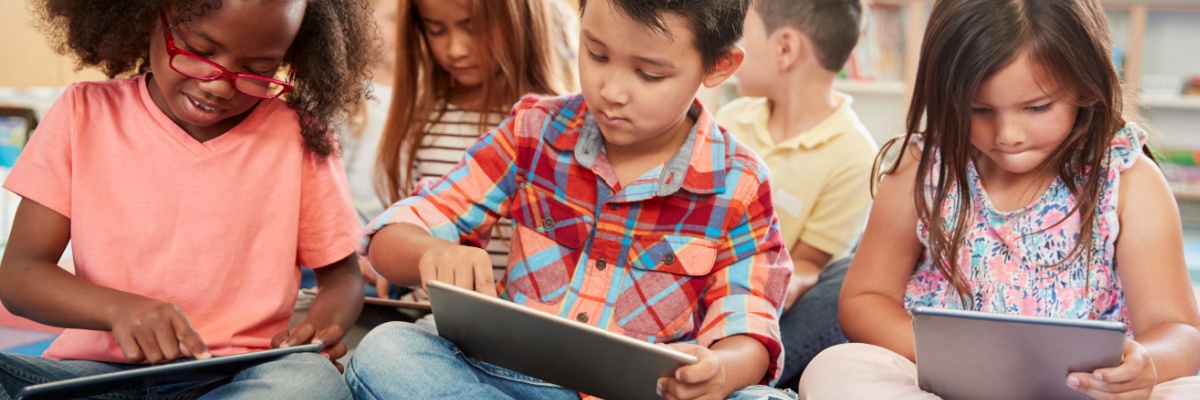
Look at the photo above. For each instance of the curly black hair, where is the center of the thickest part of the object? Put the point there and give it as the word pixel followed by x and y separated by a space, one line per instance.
pixel 331 51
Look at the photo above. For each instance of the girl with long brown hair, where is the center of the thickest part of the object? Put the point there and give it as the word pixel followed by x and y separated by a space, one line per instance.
pixel 1018 189
pixel 460 66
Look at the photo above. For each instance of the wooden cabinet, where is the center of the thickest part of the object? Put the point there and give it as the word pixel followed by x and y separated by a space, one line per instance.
pixel 26 58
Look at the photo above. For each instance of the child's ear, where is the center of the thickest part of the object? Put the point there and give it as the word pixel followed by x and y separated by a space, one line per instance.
pixel 791 48
pixel 725 67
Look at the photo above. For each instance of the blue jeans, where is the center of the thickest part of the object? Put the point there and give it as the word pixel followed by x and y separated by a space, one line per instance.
pixel 811 325
pixel 294 376
pixel 399 360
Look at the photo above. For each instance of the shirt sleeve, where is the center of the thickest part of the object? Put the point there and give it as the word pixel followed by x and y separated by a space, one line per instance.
pixel 462 205
pixel 43 170
pixel 329 227
pixel 840 210
pixel 746 290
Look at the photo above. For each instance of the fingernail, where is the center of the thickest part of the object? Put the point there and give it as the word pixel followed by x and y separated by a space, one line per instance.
pixel 1098 376
pixel 318 341
pixel 325 355
pixel 658 389
pixel 285 345
pixel 1073 382
pixel 204 356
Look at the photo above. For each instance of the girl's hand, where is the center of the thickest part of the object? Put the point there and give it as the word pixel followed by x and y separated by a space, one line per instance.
pixel 463 266
pixel 305 333
pixel 703 380
pixel 155 331
pixel 370 277
pixel 1133 379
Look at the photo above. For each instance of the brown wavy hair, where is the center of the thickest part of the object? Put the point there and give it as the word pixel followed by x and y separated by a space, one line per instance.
pixel 331 50
pixel 965 43
pixel 516 36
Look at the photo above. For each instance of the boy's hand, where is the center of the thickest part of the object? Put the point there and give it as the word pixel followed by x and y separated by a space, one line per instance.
pixel 703 380
pixel 1133 379
pixel 156 331
pixel 463 266
pixel 304 333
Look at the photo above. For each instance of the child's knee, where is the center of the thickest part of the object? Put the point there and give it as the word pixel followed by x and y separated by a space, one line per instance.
pixel 833 371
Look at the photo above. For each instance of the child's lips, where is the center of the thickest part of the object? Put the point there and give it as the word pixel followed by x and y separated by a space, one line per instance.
pixel 204 106
pixel 611 120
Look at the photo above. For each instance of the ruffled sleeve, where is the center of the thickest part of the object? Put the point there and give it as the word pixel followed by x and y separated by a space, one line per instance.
pixel 1127 147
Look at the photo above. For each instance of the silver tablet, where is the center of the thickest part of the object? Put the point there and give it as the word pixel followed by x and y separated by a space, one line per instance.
pixel 159 374
pixel 980 355
pixel 551 348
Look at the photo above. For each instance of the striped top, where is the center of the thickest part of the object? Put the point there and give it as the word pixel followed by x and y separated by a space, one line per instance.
pixel 446 141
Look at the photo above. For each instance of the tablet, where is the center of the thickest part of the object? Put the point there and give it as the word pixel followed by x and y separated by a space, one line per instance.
pixel 379 301
pixel 980 355
pixel 160 374
pixel 567 353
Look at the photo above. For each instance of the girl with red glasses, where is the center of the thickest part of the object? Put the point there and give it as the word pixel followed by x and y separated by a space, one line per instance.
pixel 191 193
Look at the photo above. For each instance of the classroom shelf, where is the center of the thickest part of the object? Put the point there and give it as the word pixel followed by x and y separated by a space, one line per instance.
pixel 870 87
pixel 1179 102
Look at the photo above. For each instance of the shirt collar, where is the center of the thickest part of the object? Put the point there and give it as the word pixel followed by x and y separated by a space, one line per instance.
pixel 832 126
pixel 699 166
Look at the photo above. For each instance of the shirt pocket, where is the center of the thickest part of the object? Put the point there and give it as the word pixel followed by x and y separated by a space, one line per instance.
pixel 546 247
pixel 665 279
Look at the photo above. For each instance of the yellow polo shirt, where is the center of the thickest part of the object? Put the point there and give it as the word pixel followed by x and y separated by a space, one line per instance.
pixel 820 178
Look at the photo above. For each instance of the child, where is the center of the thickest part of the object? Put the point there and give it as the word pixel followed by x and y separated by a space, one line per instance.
pixel 364 129
pixel 634 212
pixel 191 195
pixel 462 65
pixel 1028 193
pixel 818 152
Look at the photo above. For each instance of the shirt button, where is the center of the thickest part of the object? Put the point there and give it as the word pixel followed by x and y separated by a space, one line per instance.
pixel 601 264
pixel 613 206
pixel 668 259
pixel 581 317
pixel 548 223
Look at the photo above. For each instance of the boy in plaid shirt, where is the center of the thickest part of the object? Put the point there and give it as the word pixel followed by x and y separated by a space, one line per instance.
pixel 633 211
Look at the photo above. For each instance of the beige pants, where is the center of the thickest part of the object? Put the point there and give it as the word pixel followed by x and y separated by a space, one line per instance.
pixel 863 371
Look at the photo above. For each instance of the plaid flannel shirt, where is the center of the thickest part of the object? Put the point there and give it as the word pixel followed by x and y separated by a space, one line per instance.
pixel 688 252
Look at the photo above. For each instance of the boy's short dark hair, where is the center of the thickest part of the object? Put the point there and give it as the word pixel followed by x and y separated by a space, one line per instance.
pixel 716 24
pixel 831 25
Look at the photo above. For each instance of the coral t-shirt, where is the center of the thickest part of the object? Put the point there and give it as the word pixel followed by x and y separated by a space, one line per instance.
pixel 219 228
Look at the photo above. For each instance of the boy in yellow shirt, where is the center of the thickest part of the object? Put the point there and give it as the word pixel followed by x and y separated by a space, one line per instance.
pixel 818 153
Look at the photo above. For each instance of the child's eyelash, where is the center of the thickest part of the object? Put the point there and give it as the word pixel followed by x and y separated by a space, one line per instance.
pixel 596 57
pixel 649 78
pixel 1042 108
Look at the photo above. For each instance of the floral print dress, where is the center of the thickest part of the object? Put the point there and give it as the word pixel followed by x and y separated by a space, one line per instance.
pixel 1012 260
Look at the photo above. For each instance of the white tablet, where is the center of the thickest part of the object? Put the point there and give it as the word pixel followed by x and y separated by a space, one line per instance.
pixel 551 348
pixel 980 355
pixel 160 374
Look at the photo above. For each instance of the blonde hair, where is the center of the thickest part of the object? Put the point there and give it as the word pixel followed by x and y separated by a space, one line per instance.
pixel 517 37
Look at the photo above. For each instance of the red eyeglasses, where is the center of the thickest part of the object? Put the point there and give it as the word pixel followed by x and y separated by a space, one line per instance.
pixel 197 67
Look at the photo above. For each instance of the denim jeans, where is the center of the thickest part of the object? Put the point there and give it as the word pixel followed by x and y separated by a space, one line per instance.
pixel 399 360
pixel 811 325
pixel 291 377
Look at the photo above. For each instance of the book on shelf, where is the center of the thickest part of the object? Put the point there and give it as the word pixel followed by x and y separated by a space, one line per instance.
pixel 879 54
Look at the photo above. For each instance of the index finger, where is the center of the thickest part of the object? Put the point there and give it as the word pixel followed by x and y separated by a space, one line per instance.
pixel 189 338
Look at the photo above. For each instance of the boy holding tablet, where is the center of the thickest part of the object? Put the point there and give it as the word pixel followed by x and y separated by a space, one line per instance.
pixel 633 211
